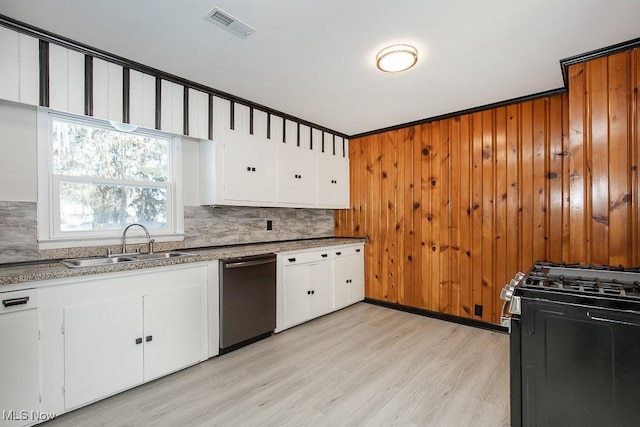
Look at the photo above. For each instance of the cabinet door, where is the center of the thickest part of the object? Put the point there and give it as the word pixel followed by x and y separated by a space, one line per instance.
pixel 249 170
pixel 322 289
pixel 333 181
pixel 296 175
pixel 296 294
pixel 356 285
pixel 341 281
pixel 348 275
pixel 172 330
pixel 19 369
pixel 103 350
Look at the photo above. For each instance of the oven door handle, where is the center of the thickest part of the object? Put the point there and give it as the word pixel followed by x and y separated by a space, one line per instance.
pixel 504 319
pixel 241 264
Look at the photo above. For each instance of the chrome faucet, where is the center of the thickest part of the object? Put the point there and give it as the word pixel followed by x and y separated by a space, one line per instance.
pixel 146 232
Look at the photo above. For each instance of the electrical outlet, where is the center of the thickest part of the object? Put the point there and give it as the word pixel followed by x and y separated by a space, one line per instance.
pixel 269 225
pixel 477 310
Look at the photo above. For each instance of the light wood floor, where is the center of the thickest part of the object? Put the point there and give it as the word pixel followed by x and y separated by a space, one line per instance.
pixel 364 365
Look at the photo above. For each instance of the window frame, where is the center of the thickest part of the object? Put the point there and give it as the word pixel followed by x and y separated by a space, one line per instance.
pixel 49 234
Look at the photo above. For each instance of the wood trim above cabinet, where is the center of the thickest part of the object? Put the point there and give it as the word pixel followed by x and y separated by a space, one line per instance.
pixel 46 38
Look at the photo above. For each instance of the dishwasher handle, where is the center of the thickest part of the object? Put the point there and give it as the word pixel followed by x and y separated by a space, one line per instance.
pixel 240 264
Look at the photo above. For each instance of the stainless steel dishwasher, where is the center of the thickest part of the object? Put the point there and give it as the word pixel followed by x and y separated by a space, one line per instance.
pixel 247 300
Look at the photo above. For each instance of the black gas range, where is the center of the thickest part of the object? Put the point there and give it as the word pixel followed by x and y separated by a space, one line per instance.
pixel 574 345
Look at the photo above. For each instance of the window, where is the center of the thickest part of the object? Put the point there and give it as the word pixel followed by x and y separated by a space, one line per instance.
pixel 100 179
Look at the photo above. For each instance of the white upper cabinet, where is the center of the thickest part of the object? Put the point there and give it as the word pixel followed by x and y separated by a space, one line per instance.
pixel 66 80
pixel 172 107
pixel 19 67
pixel 296 175
pixel 142 99
pixel 333 181
pixel 107 90
pixel 253 170
pixel 248 168
pixel 238 169
pixel 198 114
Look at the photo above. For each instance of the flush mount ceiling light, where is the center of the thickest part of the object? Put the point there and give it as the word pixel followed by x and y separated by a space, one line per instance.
pixel 396 58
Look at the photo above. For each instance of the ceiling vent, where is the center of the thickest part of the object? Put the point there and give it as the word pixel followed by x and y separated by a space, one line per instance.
pixel 229 23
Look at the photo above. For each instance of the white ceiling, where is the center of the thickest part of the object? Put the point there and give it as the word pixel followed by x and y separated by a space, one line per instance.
pixel 316 59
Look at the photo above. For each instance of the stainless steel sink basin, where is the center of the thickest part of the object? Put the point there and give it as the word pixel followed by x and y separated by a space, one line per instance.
pixel 112 260
pixel 164 255
pixel 96 262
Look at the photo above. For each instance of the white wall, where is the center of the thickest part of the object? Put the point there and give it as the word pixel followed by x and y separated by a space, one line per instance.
pixel 190 171
pixel 18 161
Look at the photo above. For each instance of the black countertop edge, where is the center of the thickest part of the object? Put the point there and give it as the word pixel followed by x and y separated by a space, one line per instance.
pixel 200 248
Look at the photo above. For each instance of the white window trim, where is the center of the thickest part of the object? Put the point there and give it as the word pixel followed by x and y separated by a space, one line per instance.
pixel 46 182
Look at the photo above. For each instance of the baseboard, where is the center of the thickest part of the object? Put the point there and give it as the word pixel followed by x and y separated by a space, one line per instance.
pixel 440 316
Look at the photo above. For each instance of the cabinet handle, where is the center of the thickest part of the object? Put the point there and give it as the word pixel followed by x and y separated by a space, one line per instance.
pixel 292 260
pixel 357 250
pixel 248 168
pixel 324 255
pixel 313 292
pixel 308 292
pixel 149 338
pixel 15 301
pixel 338 253
pixel 138 341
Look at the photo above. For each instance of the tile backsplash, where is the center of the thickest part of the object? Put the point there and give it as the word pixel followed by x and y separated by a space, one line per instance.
pixel 18 231
pixel 225 225
pixel 204 226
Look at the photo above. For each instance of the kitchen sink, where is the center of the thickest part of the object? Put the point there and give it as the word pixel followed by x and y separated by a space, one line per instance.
pixel 113 260
pixel 164 255
pixel 98 261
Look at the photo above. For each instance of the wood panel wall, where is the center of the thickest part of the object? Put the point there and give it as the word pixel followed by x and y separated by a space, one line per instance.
pixel 454 208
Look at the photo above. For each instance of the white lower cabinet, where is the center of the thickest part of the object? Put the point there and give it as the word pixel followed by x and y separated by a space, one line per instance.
pixel 130 340
pixel 173 331
pixel 19 361
pixel 307 291
pixel 107 333
pixel 315 282
pixel 101 355
pixel 348 275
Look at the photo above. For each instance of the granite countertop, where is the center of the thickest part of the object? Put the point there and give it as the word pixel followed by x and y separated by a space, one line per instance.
pixel 45 270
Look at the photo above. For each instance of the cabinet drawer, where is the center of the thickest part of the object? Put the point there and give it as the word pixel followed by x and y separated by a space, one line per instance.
pixel 305 257
pixel 18 300
pixel 340 252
